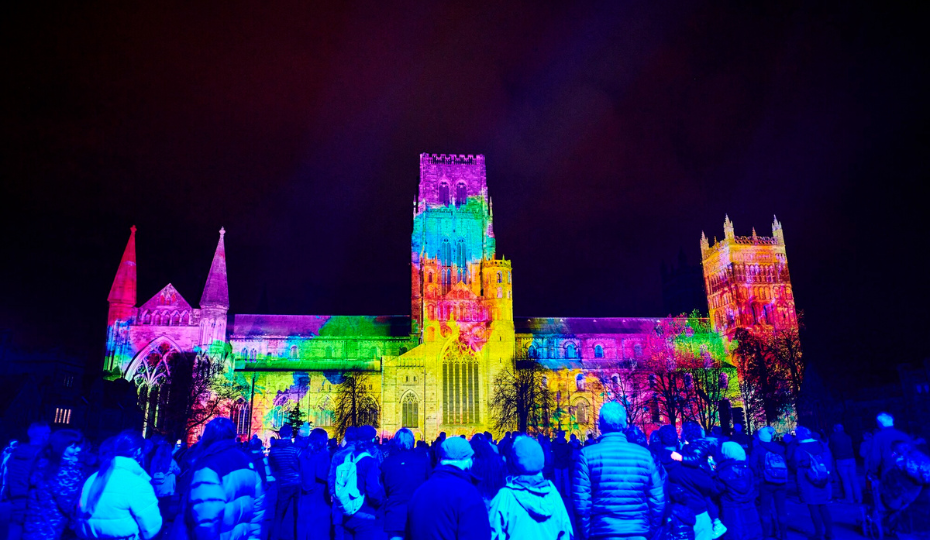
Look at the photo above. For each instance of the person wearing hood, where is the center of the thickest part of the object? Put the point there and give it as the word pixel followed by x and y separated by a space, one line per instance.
pixel 770 465
pixel 226 501
pixel 737 483
pixel 616 485
pixel 529 506
pixel 448 505
pixel 805 458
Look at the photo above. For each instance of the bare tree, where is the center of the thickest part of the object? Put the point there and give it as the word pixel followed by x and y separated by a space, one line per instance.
pixel 520 399
pixel 356 405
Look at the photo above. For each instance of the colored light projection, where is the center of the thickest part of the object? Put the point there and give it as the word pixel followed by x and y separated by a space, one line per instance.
pixel 747 281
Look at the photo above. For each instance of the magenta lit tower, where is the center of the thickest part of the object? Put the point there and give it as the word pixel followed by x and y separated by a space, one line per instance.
pixel 122 300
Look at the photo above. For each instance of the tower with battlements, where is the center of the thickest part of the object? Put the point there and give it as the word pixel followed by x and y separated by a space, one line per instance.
pixel 747 281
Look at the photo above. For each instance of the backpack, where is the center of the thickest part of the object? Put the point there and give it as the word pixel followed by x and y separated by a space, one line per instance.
pixel 916 465
pixel 817 473
pixel 348 498
pixel 775 469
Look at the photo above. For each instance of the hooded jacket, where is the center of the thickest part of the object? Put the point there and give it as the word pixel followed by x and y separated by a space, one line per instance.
pixel 737 484
pixel 529 506
pixel 226 499
pixel 127 507
pixel 617 489
pixel 53 502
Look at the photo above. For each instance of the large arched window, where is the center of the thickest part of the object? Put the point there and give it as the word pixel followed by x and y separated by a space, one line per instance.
pixel 277 417
pixel 582 410
pixel 324 416
pixel 531 352
pixel 445 252
pixel 239 414
pixel 461 261
pixel 411 413
pixel 460 386
pixel 461 194
pixel 444 194
pixel 570 351
pixel 598 351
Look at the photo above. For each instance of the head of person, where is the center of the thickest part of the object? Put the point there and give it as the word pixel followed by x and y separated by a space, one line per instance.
pixel 161 461
pixel 64 445
pixel 766 434
pixel 365 438
pixel 218 429
pixel 127 444
pixel 573 437
pixel 732 450
pixel 286 432
pixel 488 437
pixel 318 439
pixel 255 444
pixel 838 428
pixel 39 433
pixel 737 428
pixel 691 431
pixel 884 420
pixel 716 432
pixel 456 452
pixel 803 434
pixel 612 418
pixel 636 435
pixel 527 455
pixel 403 440
pixel 304 430
pixel 668 437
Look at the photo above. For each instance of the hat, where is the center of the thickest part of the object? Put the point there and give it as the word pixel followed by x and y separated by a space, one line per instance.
pixel 803 433
pixel 527 456
pixel 304 430
pixel 732 450
pixel 455 448
pixel 766 434
pixel 367 433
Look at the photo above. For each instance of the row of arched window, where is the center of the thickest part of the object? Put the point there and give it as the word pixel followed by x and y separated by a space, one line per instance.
pixel 294 353
pixel 571 351
pixel 166 318
pixel 445 195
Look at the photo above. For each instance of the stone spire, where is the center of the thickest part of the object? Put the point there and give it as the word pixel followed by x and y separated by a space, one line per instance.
pixel 727 228
pixel 123 290
pixel 216 291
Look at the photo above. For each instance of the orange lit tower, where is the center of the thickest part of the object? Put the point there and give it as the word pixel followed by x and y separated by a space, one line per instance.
pixel 747 281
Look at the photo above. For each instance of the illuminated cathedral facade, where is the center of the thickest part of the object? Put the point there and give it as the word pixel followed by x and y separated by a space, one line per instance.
pixel 434 370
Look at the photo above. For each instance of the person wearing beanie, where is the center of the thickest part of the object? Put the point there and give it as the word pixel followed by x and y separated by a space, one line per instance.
pixel 285 467
pixel 529 506
pixel 769 464
pixel 448 505
pixel 617 489
pixel 805 457
pixel 737 484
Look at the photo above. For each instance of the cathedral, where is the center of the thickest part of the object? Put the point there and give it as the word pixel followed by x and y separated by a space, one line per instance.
pixel 436 369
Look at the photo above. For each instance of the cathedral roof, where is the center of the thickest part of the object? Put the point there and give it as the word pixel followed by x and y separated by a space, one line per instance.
pixel 584 325
pixel 321 325
pixel 216 291
pixel 123 290
pixel 167 298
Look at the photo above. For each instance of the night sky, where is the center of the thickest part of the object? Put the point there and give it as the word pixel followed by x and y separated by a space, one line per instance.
pixel 613 136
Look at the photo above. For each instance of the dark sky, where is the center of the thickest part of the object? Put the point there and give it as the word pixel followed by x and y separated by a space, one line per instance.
pixel 614 135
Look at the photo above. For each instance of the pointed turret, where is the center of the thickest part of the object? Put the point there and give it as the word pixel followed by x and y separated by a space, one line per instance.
pixel 216 290
pixel 704 244
pixel 727 228
pixel 777 231
pixel 123 290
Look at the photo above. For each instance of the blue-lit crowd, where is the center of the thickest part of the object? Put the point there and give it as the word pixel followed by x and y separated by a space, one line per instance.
pixel 676 485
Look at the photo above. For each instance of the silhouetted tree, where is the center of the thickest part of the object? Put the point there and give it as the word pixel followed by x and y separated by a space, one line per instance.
pixel 356 405
pixel 520 399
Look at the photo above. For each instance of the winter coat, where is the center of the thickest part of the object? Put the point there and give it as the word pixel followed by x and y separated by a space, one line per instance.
pixel 681 522
pixel 165 483
pixel 841 446
pixel 402 473
pixel 284 463
pixel 737 483
pixel 879 458
pixel 447 507
pixel 20 466
pixel 127 507
pixel 562 453
pixel 368 482
pixel 225 500
pixel 53 502
pixel 800 461
pixel 697 483
pixel 529 507
pixel 617 489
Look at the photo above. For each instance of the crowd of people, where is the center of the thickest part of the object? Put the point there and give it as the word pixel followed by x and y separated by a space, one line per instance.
pixel 680 485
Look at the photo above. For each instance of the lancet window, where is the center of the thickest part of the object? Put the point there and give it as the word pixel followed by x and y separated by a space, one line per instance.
pixel 411 413
pixel 444 194
pixel 461 194
pixel 460 396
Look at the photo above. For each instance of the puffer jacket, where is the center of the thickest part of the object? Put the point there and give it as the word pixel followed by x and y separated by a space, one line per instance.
pixel 801 461
pixel 737 484
pixel 529 507
pixel 20 469
pixel 226 499
pixel 617 489
pixel 52 504
pixel 127 507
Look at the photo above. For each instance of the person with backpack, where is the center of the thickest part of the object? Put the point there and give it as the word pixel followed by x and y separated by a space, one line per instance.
pixel 737 485
pixel 53 501
pixel 809 459
pixel 402 472
pixel 118 501
pixel 358 492
pixel 770 466
pixel 314 511
pixel 226 501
